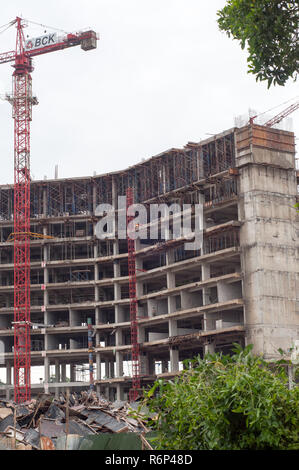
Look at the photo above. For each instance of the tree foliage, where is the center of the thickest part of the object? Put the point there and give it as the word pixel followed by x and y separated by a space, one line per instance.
pixel 225 403
pixel 270 30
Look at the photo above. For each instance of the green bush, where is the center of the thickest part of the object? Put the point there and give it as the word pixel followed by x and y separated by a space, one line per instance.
pixel 225 403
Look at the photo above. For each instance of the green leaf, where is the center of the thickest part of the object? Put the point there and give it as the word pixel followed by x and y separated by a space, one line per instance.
pixel 152 390
pixel 269 29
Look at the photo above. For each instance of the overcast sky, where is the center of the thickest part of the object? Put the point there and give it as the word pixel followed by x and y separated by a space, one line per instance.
pixel 163 75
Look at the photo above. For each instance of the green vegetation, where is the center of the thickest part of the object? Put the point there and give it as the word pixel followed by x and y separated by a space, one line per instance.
pixel 225 403
pixel 270 30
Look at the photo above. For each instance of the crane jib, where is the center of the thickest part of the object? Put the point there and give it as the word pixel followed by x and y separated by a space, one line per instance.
pixel 41 41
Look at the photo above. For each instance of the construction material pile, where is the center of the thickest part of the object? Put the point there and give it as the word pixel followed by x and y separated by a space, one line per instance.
pixel 39 423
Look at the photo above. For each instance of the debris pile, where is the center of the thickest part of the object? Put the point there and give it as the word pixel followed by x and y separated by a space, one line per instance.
pixel 39 423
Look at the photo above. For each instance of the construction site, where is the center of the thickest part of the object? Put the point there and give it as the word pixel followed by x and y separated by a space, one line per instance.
pixel 239 287
pixel 109 314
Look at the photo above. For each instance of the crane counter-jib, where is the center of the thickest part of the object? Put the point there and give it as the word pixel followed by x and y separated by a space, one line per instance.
pixel 52 42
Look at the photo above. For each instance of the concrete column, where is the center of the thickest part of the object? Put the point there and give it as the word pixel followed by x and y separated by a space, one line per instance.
pixel 8 374
pixel 169 257
pixel 119 364
pixel 118 337
pixel 57 371
pixel 46 280
pixel 63 372
pixel 8 379
pixel 98 365
pixel 139 288
pixel 119 392
pixel 115 247
pixel 111 369
pixel 47 374
pixel 119 314
pixel 170 280
pixel 173 327
pixel 209 321
pixel 205 275
pixel 97 339
pixel 209 348
pixel 117 291
pixel 96 270
pixel 107 376
pixel 170 276
pixel 151 365
pixel 171 304
pixel 116 268
pixel 174 359
pixel 73 372
pixel 97 315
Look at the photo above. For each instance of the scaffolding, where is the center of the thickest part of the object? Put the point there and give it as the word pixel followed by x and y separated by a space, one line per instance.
pixel 169 171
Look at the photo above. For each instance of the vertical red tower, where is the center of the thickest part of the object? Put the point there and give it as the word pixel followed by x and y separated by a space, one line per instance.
pixel 136 386
pixel 22 112
pixel 22 102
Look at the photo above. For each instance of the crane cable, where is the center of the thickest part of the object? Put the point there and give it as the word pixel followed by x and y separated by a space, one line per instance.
pixel 45 26
pixel 7 25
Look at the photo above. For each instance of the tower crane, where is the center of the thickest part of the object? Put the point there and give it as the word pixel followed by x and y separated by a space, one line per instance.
pixel 22 101
pixel 279 117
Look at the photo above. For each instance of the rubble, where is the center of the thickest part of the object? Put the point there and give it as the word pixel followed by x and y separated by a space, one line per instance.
pixel 40 423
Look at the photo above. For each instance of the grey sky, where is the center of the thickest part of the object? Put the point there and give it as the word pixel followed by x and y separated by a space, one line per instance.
pixel 163 74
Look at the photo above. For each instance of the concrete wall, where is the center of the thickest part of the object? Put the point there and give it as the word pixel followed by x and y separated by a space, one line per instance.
pixel 228 291
pixel 190 299
pixel 268 241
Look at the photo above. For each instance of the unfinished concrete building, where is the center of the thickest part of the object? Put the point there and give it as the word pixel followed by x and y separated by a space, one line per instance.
pixel 239 287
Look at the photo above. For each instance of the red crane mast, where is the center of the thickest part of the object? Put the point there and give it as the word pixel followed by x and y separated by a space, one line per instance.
pixel 135 355
pixel 22 101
